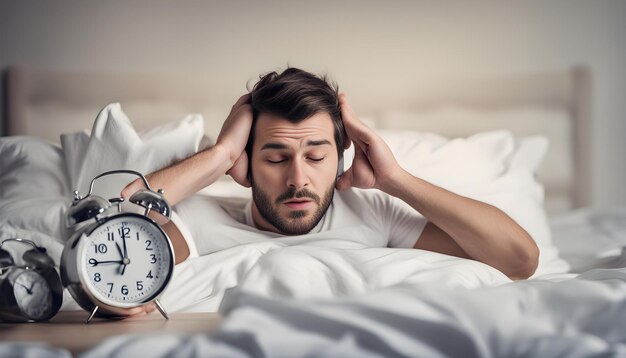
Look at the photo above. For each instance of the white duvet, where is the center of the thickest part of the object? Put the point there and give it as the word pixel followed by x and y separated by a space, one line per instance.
pixel 582 317
pixel 304 271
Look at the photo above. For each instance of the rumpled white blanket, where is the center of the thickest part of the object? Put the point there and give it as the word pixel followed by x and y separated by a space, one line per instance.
pixel 273 269
pixel 580 317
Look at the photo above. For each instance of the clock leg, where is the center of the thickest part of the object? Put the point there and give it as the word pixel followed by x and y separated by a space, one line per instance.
pixel 93 312
pixel 161 309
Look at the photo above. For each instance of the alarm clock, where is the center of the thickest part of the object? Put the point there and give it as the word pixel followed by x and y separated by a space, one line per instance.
pixel 117 255
pixel 30 292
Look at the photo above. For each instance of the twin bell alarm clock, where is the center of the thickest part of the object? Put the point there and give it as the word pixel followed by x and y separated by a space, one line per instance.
pixel 117 256
pixel 30 288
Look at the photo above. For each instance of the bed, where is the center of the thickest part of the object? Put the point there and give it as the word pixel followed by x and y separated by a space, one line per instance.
pixel 521 143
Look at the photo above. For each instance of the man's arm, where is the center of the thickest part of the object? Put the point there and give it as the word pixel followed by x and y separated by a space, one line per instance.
pixel 457 225
pixel 484 232
pixel 184 178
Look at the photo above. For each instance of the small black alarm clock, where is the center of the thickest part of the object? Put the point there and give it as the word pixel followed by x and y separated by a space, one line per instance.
pixel 31 291
pixel 114 258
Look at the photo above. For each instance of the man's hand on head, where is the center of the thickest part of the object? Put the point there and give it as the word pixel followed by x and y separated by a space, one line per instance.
pixel 234 136
pixel 374 163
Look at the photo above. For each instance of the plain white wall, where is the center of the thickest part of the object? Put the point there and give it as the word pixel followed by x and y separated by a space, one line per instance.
pixel 386 49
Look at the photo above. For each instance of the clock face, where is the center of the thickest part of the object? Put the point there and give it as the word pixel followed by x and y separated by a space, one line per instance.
pixel 33 295
pixel 126 261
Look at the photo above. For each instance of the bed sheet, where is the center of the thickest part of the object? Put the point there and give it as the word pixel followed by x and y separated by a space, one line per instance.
pixel 591 238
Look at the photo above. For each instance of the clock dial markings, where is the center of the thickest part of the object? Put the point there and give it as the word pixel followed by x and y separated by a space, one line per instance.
pixel 149 255
pixel 100 248
pixel 33 296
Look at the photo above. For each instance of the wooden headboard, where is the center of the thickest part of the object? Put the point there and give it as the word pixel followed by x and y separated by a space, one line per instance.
pixel 46 104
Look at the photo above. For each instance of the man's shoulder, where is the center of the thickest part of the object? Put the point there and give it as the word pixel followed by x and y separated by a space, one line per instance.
pixel 361 207
pixel 361 197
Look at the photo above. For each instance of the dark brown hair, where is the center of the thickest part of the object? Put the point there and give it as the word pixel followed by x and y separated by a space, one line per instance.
pixel 296 95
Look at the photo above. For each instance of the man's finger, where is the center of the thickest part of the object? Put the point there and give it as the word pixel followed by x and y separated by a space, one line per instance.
pixel 150 307
pixel 359 133
pixel 241 101
pixel 355 129
pixel 131 188
pixel 346 108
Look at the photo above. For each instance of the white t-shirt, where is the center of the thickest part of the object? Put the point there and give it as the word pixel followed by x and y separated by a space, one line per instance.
pixel 355 219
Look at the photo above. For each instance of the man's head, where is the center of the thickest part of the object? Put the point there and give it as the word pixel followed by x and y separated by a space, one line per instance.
pixel 295 143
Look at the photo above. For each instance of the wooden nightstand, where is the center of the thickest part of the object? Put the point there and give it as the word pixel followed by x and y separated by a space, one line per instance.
pixel 68 330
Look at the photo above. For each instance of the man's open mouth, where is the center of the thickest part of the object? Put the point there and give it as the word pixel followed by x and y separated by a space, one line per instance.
pixel 298 204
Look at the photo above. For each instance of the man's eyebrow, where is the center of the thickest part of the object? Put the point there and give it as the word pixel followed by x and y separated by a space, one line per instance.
pixel 283 146
pixel 317 142
pixel 273 146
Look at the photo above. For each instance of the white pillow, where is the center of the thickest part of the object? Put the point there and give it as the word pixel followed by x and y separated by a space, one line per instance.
pixel 114 144
pixel 457 121
pixel 31 168
pixel 34 193
pixel 491 167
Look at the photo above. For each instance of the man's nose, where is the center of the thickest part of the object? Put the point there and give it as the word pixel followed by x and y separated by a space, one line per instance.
pixel 297 177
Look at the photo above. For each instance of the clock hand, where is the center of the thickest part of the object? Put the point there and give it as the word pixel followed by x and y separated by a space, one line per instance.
pixel 27 289
pixel 125 259
pixel 94 262
pixel 119 249
pixel 124 242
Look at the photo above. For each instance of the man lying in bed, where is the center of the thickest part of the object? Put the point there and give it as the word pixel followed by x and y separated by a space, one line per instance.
pixel 285 140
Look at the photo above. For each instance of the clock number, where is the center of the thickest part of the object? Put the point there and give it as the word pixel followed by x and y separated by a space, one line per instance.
pixel 124 290
pixel 137 235
pixel 153 258
pixel 139 285
pixel 101 248
pixel 149 274
pixel 110 236
pixel 110 288
pixel 148 243
pixel 96 277
pixel 124 232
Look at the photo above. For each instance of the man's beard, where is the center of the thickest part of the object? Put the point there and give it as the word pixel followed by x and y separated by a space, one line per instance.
pixel 293 225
